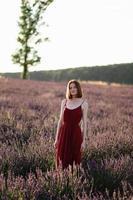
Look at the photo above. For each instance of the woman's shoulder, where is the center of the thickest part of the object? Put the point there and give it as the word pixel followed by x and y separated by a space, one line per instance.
pixel 63 101
pixel 85 100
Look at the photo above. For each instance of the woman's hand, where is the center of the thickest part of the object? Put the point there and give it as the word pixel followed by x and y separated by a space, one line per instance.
pixel 83 145
pixel 55 144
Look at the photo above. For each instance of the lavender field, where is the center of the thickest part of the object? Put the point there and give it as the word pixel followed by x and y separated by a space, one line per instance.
pixel 29 112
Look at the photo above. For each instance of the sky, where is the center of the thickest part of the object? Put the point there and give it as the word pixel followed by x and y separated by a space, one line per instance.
pixel 81 33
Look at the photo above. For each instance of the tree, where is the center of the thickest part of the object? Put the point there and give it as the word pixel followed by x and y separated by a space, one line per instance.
pixel 29 22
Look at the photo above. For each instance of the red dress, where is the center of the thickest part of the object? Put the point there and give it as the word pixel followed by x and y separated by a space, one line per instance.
pixel 70 138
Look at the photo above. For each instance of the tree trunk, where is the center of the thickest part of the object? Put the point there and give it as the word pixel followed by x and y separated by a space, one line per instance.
pixel 25 72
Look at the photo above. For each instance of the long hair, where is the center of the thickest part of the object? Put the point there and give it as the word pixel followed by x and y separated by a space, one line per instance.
pixel 77 84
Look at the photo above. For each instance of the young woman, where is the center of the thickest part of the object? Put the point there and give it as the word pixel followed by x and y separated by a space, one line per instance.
pixel 70 139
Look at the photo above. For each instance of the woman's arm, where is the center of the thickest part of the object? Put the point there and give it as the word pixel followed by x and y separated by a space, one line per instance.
pixel 60 122
pixel 85 112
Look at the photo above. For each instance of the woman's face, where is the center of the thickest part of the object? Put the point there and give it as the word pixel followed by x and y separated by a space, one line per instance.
pixel 73 89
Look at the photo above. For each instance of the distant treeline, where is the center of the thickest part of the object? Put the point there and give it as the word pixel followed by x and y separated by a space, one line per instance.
pixel 116 73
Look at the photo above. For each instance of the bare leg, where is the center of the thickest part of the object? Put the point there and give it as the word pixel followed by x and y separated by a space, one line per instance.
pixel 77 170
pixel 71 169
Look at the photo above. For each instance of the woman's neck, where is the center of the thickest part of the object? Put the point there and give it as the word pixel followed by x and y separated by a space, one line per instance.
pixel 75 98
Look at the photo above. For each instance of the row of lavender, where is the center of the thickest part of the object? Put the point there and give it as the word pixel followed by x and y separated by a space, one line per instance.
pixel 29 112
